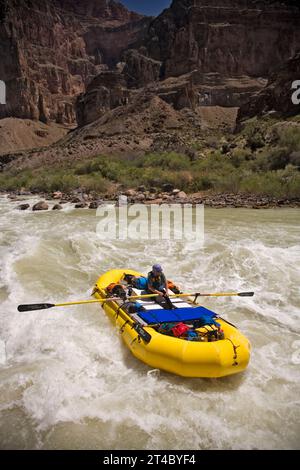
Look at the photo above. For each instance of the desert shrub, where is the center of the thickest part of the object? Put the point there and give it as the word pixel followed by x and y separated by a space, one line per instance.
pixel 213 142
pixel 39 183
pixel 293 188
pixel 228 183
pixel 197 145
pixel 12 180
pixel 155 177
pixel 281 183
pixel 9 183
pixel 239 156
pixel 289 137
pixel 295 159
pixel 278 158
pixel 47 181
pixel 253 133
pixel 83 169
pixel 267 184
pixel 201 183
pixel 269 170
pixel 63 183
pixel 271 158
pixel 215 162
pixel 179 179
pixel 165 161
pixel 93 183
pixel 261 162
pixel 95 165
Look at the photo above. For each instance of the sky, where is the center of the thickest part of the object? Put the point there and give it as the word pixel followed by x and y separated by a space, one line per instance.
pixel 147 7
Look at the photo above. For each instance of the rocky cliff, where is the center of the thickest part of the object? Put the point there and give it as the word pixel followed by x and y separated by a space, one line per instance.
pixel 51 50
pixel 276 98
pixel 205 53
pixel 229 37
pixel 139 82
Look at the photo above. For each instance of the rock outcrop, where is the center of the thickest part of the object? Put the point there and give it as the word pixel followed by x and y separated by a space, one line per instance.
pixel 51 50
pixel 202 53
pixel 229 37
pixel 139 70
pixel 276 98
pixel 145 84
pixel 107 91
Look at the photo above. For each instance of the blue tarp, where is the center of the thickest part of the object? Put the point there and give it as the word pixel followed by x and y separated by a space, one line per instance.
pixel 178 315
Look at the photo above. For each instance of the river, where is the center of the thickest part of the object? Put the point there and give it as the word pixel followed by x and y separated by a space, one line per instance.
pixel 68 382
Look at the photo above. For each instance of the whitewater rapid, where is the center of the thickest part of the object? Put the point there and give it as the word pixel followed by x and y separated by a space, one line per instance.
pixel 68 382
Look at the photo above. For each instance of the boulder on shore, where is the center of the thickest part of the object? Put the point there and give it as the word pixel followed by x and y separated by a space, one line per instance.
pixel 182 195
pixel 168 187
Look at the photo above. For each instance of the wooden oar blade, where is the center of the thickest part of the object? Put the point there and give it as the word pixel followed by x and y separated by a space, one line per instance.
pixel 246 294
pixel 31 307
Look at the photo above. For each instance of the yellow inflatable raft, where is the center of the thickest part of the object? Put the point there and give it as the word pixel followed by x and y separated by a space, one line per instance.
pixel 208 354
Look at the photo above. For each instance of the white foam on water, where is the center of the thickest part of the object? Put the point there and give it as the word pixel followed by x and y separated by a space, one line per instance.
pixel 69 382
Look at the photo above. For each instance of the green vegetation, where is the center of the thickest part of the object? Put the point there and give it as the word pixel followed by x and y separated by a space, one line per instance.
pixel 149 170
pixel 54 179
pixel 264 159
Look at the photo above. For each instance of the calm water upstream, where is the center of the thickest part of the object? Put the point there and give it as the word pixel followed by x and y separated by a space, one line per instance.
pixel 66 379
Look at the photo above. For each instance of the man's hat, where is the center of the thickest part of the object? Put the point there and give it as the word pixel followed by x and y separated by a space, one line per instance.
pixel 157 268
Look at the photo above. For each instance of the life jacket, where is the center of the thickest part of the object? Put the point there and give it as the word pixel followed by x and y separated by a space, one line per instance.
pixel 172 287
pixel 116 290
pixel 156 281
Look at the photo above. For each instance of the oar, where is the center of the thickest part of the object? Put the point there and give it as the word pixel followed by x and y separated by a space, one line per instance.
pixel 198 294
pixel 31 307
pixel 138 328
pixel 221 294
